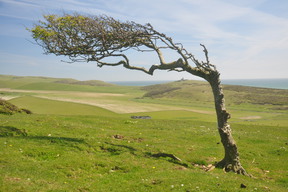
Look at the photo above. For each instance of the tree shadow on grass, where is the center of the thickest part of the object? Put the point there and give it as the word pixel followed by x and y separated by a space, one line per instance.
pixel 168 157
pixel 113 149
pixel 57 139
pixel 9 131
pixel 64 141
pixel 132 150
pixel 116 149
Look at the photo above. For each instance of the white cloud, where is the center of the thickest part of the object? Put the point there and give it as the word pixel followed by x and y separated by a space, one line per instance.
pixel 237 33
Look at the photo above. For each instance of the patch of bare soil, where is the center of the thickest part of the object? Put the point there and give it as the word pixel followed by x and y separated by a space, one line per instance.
pixel 250 117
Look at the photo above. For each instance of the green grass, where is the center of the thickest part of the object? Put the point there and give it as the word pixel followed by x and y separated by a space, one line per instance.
pixel 9 81
pixel 59 84
pixel 73 87
pixel 46 106
pixel 66 146
pixel 199 93
pixel 79 153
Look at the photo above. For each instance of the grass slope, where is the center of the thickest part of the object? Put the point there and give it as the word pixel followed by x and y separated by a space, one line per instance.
pixel 198 91
pixel 66 146
pixel 90 82
pixel 83 153
pixel 246 104
pixel 58 84
pixel 46 106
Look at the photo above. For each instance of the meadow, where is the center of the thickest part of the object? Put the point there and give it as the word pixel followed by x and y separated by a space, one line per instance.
pixel 81 137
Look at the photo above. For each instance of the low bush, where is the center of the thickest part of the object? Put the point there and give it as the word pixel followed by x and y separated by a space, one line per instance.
pixel 8 108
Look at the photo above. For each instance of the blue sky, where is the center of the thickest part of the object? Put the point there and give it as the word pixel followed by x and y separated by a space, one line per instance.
pixel 246 39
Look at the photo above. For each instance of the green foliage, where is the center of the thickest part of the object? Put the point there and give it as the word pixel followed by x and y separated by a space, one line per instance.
pixel 76 35
pixel 42 34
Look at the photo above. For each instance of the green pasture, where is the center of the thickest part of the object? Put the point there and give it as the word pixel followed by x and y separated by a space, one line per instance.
pixel 69 146
pixel 46 106
pixel 59 84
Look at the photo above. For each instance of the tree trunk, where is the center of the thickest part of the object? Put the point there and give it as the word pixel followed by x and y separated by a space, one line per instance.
pixel 231 161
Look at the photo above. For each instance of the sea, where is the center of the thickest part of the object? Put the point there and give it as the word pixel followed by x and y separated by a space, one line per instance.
pixel 264 83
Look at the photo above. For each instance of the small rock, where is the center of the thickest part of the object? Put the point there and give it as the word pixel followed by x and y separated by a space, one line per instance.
pixel 210 167
pixel 118 136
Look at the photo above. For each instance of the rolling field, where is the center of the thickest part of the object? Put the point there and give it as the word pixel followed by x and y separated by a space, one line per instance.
pixel 80 137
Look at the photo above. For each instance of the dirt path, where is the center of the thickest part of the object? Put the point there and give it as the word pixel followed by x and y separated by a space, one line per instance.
pixel 250 117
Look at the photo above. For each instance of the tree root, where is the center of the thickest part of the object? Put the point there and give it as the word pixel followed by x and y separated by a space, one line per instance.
pixel 235 167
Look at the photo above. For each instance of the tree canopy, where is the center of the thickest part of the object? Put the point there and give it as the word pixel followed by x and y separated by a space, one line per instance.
pixel 95 38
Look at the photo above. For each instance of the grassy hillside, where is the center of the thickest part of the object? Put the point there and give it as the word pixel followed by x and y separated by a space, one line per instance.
pixel 94 153
pixel 90 82
pixel 11 81
pixel 198 91
pixel 241 101
pixel 60 84
pixel 46 106
pixel 71 146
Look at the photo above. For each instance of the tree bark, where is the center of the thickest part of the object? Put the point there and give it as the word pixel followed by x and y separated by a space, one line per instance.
pixel 231 161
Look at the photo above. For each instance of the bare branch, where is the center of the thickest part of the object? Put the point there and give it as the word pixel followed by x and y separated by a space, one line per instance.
pixel 206 53
pixel 207 64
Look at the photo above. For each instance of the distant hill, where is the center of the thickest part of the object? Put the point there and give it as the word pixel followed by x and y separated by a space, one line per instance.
pixel 200 91
pixel 10 81
pixel 90 82
pixel 186 91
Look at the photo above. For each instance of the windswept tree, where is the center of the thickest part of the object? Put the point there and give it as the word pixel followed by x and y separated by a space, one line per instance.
pixel 99 38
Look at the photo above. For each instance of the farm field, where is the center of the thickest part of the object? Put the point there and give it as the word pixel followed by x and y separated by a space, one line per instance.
pixel 81 137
